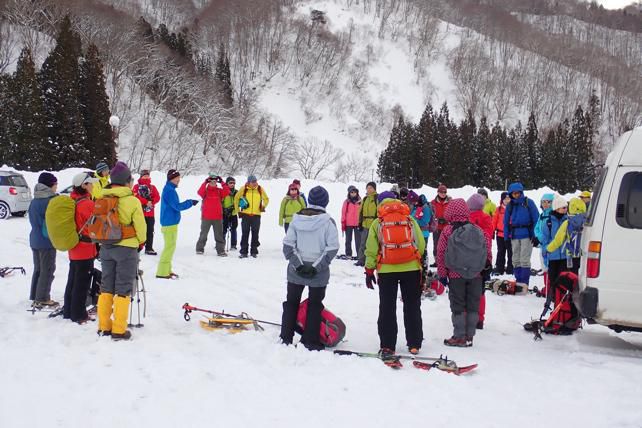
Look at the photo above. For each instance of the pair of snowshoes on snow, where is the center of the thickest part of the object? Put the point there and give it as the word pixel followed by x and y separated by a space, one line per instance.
pixel 506 286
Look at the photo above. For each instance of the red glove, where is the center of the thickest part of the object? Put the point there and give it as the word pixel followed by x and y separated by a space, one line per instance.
pixel 370 278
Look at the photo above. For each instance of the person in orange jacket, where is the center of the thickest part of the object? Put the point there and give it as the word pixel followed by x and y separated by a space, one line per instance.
pixel 478 217
pixel 504 248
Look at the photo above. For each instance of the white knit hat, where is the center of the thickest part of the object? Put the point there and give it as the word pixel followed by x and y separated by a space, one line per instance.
pixel 559 202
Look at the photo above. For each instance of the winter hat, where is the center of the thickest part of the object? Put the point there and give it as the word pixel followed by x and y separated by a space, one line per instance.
pixel 372 184
pixel 413 198
pixel 386 195
pixel 172 174
pixel 297 183
pixel 102 167
pixel 547 197
pixel 318 196
pixel 483 192
pixel 48 179
pixel 144 172
pixel 293 187
pixel 502 197
pixel 457 211
pixel 120 174
pixel 559 202
pixel 395 189
pixel 476 202
pixel 403 192
pixel 585 194
pixel 576 206
pixel 229 179
pixel 251 179
pixel 352 189
pixel 83 178
pixel 442 188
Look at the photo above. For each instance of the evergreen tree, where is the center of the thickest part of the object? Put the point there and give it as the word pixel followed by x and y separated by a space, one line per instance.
pixel 94 106
pixel 581 143
pixel 516 155
pixel 550 155
pixel 441 145
pixel 183 45
pixel 390 159
pixel 497 141
pixel 28 131
pixel 530 150
pixel 5 118
pixel 465 157
pixel 425 140
pixel 59 79
pixel 223 77
pixel 483 156
pixel 145 30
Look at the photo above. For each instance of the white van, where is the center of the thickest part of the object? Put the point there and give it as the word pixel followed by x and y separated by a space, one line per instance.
pixel 610 277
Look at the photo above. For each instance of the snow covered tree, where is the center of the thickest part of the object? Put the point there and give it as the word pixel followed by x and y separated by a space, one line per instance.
pixel 94 106
pixel 530 150
pixel 28 133
pixel 59 79
pixel 484 159
pixel 425 141
pixel 441 145
pixel 464 166
pixel 223 77
pixel 5 118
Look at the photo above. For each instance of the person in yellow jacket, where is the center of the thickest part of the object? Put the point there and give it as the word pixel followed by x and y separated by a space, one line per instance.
pixel 367 215
pixel 120 261
pixel 250 202
pixel 102 174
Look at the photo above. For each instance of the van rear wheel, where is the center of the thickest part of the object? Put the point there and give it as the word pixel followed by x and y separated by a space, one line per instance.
pixel 5 212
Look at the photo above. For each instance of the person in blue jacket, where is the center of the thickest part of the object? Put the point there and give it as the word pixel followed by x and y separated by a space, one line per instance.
pixel 555 254
pixel 171 208
pixel 520 219
pixel 420 210
pixel 44 253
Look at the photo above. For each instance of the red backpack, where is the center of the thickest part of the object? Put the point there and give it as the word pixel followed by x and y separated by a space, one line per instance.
pixel 564 319
pixel 333 330
pixel 396 235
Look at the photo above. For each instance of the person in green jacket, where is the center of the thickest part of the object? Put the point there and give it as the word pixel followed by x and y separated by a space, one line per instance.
pixel 489 206
pixel 367 214
pixel 230 216
pixel 398 267
pixel 291 204
pixel 102 174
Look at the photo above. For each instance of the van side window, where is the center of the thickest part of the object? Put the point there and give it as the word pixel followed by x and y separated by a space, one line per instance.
pixel 597 191
pixel 629 201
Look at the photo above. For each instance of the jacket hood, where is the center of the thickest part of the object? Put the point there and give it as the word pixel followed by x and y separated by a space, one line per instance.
pixel 75 195
pixel 457 211
pixel 515 187
pixel 118 191
pixel 145 181
pixel 42 191
pixel 310 222
pixel 576 206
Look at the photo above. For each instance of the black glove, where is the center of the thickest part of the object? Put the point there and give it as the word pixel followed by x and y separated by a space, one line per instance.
pixel 218 179
pixel 370 278
pixel 194 202
pixel 307 271
pixel 535 241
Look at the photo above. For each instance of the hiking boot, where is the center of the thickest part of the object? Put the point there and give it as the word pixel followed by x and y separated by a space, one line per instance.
pixel 39 304
pixel 222 254
pixel 480 325
pixel 386 353
pixel 413 351
pixel 359 264
pixel 242 256
pixel 509 270
pixel 199 252
pixel 104 333
pixel 122 336
pixel 151 253
pixel 498 271
pixel 459 342
pixel 469 341
pixel 170 276
pixel 233 248
pixel 254 255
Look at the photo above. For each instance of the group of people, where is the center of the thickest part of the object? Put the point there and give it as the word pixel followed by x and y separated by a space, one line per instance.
pixel 389 231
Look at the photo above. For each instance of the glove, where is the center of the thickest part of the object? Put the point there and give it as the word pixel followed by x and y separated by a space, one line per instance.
pixel 140 247
pixel 194 202
pixel 444 281
pixel 370 278
pixel 535 241
pixel 306 271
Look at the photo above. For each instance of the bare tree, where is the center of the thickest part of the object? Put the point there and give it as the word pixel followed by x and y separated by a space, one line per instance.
pixel 354 168
pixel 314 157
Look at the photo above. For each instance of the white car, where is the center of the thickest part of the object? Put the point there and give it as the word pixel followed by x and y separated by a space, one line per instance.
pixel 610 277
pixel 15 195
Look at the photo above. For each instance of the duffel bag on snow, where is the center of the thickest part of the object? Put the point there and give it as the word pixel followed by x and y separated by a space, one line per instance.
pixel 60 219
pixel 333 330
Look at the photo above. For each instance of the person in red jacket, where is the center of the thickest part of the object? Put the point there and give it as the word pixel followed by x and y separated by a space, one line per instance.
pixel 484 221
pixel 439 223
pixel 504 248
pixel 148 196
pixel 81 257
pixel 213 191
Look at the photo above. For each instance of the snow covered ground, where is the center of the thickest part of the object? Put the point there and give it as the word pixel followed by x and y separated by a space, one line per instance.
pixel 173 373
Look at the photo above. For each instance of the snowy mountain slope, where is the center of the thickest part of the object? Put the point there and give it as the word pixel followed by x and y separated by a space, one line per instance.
pixel 173 373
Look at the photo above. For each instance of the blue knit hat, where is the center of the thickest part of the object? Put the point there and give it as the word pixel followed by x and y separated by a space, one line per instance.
pixel 318 196
pixel 251 179
pixel 101 167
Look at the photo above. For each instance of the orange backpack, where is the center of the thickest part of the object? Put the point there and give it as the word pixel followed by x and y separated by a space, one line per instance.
pixel 396 235
pixel 104 226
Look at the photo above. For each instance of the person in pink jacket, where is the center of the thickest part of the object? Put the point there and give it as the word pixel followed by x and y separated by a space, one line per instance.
pixel 350 220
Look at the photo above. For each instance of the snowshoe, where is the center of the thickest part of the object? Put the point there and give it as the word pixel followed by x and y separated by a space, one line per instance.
pixel 232 325
pixel 389 358
pixel 536 272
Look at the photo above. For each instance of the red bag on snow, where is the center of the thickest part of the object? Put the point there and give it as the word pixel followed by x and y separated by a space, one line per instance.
pixel 333 330
pixel 566 320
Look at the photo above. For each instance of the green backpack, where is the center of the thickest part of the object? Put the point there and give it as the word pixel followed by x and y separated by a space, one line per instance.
pixel 60 219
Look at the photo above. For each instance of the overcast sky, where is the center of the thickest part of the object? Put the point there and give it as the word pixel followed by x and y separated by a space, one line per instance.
pixel 615 4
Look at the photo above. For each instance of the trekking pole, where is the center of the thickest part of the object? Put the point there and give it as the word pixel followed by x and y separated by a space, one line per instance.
pixel 144 291
pixel 188 309
pixel 131 307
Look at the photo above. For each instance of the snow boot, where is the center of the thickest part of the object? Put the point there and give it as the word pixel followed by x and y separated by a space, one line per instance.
pixel 105 303
pixel 459 342
pixel 413 350
pixel 119 325
pixel 509 270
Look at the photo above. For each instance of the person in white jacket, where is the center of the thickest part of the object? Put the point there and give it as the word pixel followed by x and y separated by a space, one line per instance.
pixel 310 245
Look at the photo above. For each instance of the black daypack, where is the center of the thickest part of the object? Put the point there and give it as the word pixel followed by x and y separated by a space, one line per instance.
pixel 466 252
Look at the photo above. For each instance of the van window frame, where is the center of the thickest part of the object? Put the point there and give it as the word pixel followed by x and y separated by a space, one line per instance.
pixel 624 199
pixel 595 198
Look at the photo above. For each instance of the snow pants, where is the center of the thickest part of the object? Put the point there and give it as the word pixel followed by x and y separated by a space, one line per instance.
pixel 78 285
pixel 522 249
pixel 311 338
pixel 120 269
pixel 231 223
pixel 149 243
pixel 503 252
pixel 361 251
pixel 352 231
pixel 464 295
pixel 219 236
pixel 170 235
pixel 44 266
pixel 410 285
pixel 250 225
